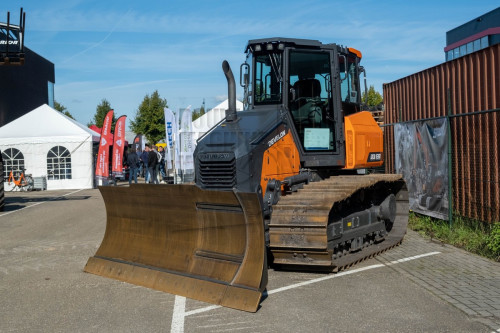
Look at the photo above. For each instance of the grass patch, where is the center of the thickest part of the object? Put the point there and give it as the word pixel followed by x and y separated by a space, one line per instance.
pixel 473 236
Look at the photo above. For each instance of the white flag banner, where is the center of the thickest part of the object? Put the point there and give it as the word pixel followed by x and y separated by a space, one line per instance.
pixel 170 127
pixel 187 143
pixel 177 142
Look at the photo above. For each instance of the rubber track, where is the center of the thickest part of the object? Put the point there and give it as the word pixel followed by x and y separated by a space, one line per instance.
pixel 308 209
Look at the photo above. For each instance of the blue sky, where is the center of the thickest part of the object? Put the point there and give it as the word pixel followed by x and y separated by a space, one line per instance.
pixel 122 50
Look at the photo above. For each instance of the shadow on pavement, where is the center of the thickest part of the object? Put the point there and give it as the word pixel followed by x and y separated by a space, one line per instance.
pixel 17 202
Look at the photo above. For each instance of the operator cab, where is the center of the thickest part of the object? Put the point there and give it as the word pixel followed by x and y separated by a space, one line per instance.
pixel 303 77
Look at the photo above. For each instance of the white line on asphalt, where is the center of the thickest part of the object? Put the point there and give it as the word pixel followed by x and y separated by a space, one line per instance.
pixel 205 309
pixel 179 310
pixel 179 314
pixel 323 278
pixel 39 203
pixel 412 258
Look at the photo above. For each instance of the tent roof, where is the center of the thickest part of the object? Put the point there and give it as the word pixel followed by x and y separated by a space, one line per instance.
pixel 44 122
pixel 213 116
pixel 225 104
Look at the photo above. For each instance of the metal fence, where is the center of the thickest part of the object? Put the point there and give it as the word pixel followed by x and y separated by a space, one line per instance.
pixel 467 92
pixel 474 163
pixel 475 168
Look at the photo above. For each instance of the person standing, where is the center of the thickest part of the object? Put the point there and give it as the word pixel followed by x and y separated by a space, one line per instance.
pixel 163 174
pixel 133 165
pixel 144 159
pixel 152 163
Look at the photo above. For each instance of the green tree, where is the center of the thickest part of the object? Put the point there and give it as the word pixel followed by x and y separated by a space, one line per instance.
pixel 150 118
pixel 199 112
pixel 61 108
pixel 101 111
pixel 373 99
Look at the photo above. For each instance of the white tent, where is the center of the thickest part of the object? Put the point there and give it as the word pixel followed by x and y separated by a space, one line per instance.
pixel 204 123
pixel 53 146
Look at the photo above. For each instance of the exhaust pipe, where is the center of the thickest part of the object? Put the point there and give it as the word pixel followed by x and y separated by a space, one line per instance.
pixel 231 92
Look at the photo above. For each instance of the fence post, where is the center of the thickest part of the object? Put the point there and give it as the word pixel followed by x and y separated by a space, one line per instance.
pixel 450 155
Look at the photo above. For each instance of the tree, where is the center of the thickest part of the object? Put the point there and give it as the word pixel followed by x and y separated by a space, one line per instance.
pixel 61 108
pixel 101 111
pixel 150 118
pixel 199 112
pixel 373 99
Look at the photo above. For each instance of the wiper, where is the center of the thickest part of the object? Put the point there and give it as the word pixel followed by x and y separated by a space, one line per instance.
pixel 274 64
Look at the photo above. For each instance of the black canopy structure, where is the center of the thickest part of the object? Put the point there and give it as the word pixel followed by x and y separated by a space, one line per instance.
pixel 12 41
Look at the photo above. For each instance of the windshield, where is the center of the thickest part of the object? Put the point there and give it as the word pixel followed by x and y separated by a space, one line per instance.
pixel 349 82
pixel 310 99
pixel 268 80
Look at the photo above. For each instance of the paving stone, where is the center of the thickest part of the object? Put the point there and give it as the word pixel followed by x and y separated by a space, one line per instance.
pixel 469 282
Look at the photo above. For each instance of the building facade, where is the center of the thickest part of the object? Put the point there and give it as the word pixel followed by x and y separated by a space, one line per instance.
pixel 26 87
pixel 473 36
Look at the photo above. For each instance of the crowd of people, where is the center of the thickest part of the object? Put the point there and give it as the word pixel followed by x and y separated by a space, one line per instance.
pixel 149 164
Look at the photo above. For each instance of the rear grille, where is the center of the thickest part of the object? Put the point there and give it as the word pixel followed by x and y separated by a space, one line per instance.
pixel 217 174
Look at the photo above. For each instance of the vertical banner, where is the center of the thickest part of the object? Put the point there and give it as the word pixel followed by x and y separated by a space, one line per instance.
pixel 422 158
pixel 139 143
pixel 170 127
pixel 177 142
pixel 118 147
pixel 102 165
pixel 187 144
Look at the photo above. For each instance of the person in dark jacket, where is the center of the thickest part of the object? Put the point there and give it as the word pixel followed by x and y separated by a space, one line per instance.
pixel 144 159
pixel 133 165
pixel 152 162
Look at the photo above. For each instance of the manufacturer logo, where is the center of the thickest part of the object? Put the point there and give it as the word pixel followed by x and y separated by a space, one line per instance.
pixel 216 156
pixel 103 142
pixel 374 157
pixel 276 138
pixel 11 42
pixel 119 142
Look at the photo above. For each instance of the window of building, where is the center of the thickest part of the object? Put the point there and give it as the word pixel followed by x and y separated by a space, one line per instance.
pixel 13 160
pixel 449 55
pixel 50 88
pixel 477 45
pixel 484 42
pixel 470 48
pixel 463 50
pixel 58 163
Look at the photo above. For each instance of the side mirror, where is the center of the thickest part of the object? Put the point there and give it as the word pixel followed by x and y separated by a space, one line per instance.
pixel 244 74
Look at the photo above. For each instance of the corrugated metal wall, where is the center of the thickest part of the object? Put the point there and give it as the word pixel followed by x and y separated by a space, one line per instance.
pixel 457 88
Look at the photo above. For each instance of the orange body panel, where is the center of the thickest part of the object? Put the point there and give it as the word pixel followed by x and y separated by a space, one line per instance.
pixel 281 160
pixel 364 141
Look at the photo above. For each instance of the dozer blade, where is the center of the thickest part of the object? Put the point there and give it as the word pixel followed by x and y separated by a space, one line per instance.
pixel 205 245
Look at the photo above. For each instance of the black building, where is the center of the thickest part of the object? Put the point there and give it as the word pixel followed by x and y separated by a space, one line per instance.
pixel 474 35
pixel 26 79
pixel 26 87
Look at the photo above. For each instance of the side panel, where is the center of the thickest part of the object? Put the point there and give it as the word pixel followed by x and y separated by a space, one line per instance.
pixel 364 141
pixel 281 159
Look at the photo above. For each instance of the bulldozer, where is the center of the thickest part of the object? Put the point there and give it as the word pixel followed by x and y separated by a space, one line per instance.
pixel 281 184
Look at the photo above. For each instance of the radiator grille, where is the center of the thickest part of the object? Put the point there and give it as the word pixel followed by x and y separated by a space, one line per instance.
pixel 217 174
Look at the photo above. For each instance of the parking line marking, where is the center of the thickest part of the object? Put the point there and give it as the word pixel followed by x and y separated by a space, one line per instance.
pixel 39 203
pixel 323 278
pixel 179 314
pixel 201 310
pixel 179 309
pixel 412 258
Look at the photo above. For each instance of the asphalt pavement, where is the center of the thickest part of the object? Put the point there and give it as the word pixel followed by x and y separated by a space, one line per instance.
pixel 46 238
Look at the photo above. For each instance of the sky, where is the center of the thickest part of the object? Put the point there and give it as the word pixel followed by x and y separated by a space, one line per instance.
pixel 122 50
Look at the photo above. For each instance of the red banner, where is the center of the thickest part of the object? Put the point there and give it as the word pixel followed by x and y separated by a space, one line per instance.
pixel 118 146
pixel 102 165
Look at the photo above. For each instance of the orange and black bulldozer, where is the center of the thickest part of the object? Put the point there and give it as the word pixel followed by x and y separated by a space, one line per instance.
pixel 277 184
